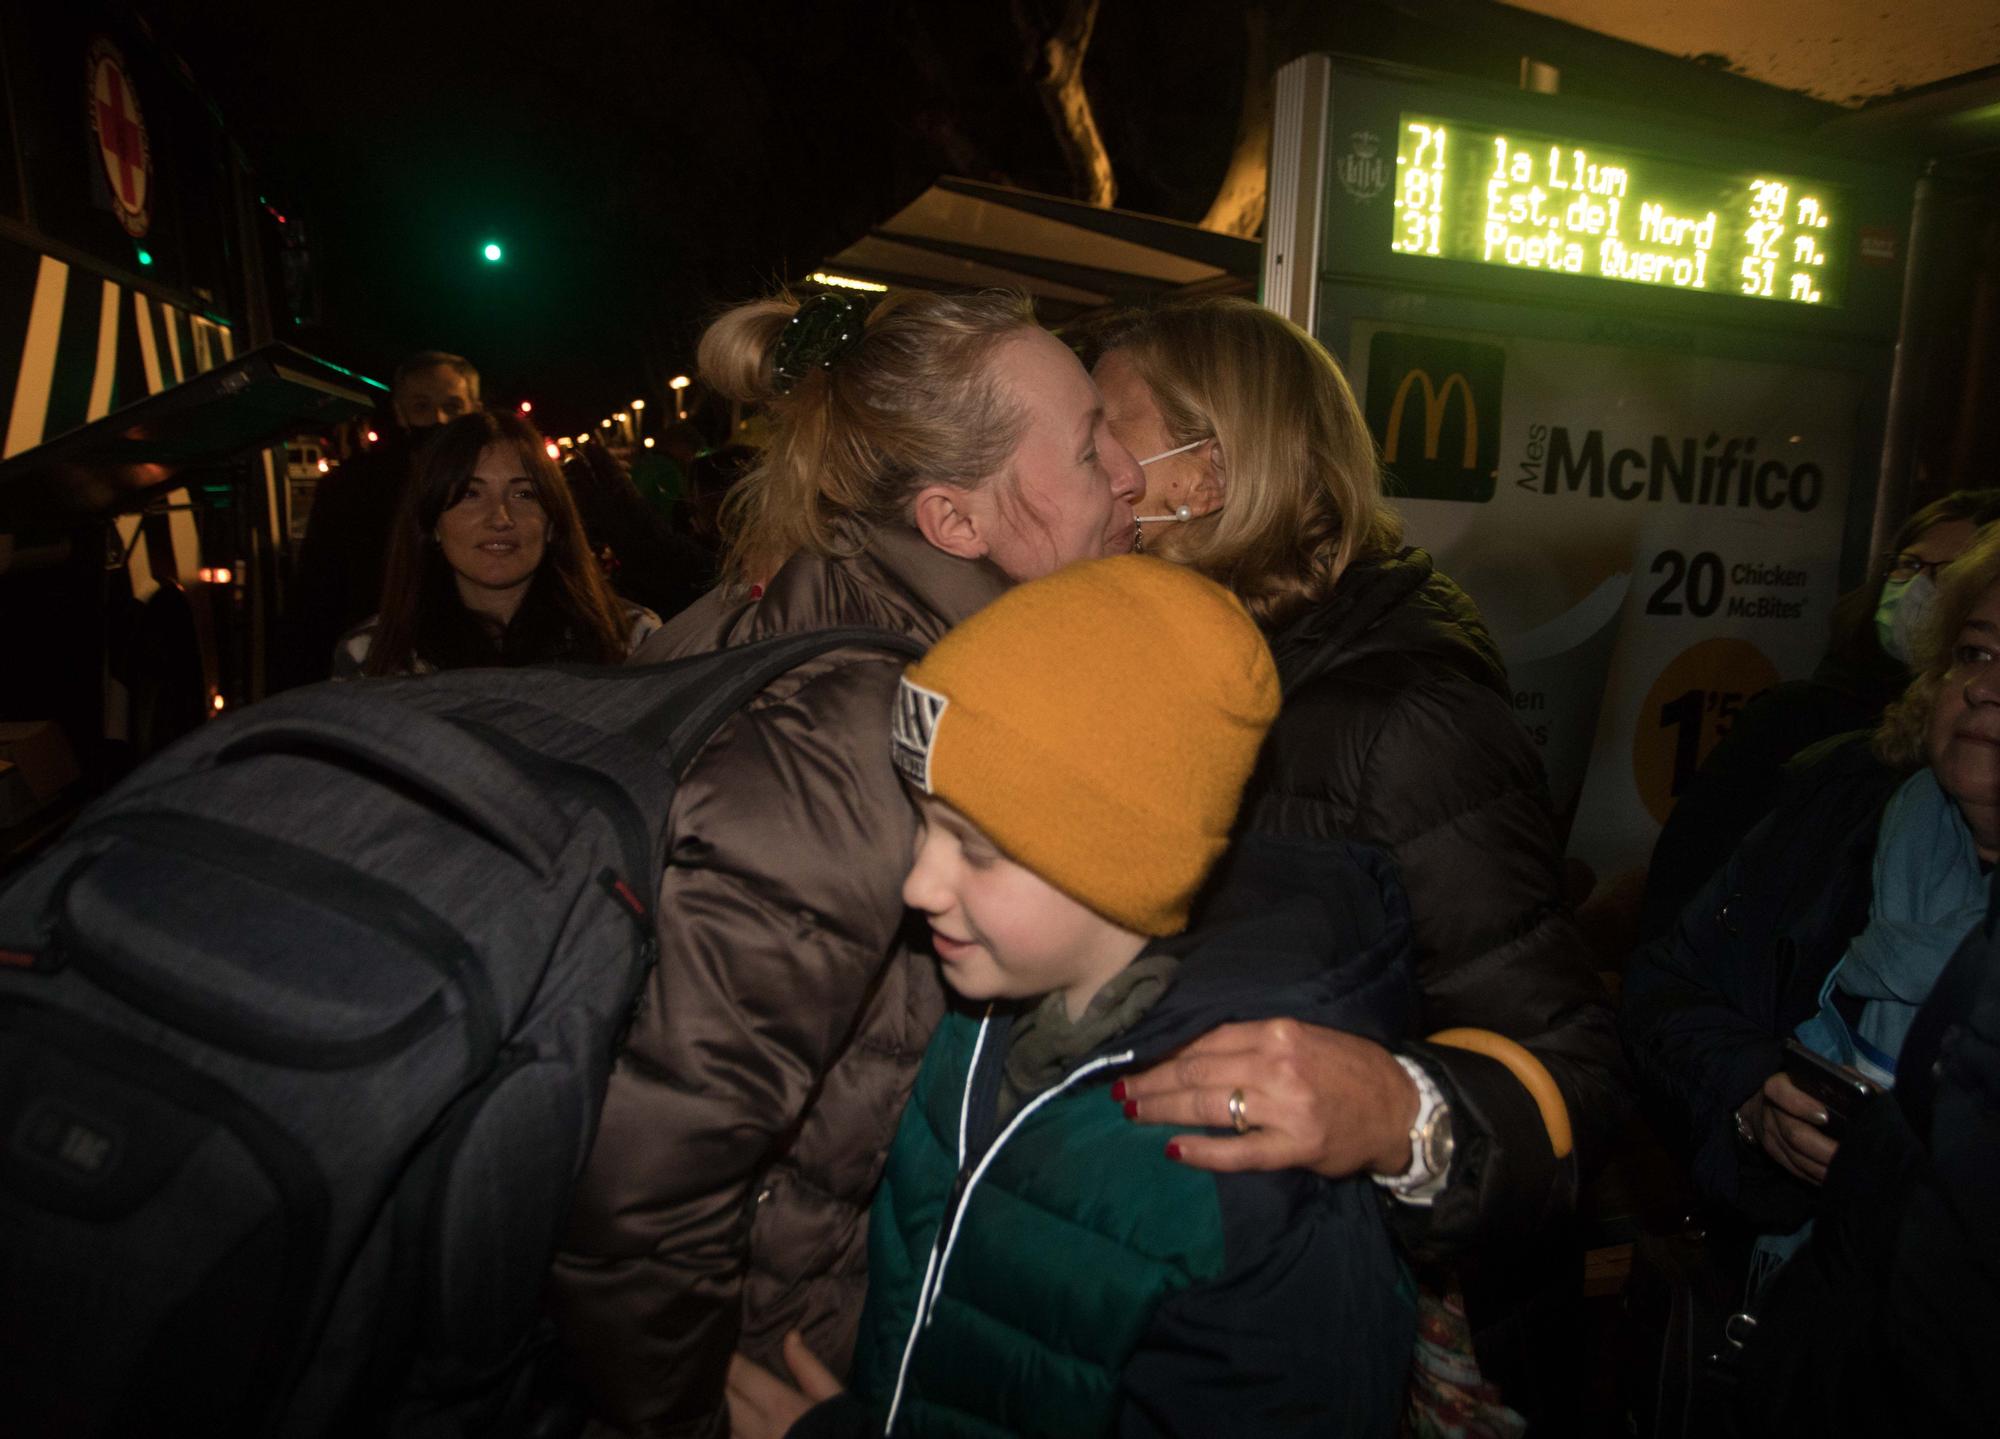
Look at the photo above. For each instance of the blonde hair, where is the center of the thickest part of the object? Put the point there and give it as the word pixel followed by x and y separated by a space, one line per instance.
pixel 914 403
pixel 1960 586
pixel 1302 489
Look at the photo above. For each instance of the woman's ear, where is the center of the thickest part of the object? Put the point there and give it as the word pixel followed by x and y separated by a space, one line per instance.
pixel 944 519
pixel 1210 488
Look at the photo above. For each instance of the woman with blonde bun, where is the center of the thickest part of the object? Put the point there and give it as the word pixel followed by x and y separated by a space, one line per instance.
pixel 1397 731
pixel 928 450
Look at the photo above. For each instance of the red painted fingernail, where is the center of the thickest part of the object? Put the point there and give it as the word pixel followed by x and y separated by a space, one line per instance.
pixel 1173 1151
pixel 1118 1090
pixel 1131 1109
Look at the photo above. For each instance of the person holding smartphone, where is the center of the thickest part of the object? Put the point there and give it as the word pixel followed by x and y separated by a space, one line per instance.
pixel 1826 930
pixel 1883 1322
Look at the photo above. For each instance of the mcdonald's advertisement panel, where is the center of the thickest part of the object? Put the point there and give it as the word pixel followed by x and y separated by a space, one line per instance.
pixel 1628 370
pixel 1653 537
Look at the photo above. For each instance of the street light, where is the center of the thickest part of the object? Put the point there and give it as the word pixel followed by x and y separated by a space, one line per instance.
pixel 638 404
pixel 678 384
pixel 527 407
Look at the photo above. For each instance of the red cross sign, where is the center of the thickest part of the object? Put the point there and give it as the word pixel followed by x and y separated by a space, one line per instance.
pixel 120 128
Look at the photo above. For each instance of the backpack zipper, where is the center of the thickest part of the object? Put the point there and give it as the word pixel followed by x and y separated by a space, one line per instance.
pixel 351 893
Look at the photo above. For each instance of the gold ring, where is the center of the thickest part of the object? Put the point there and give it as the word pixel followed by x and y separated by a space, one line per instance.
pixel 1236 1115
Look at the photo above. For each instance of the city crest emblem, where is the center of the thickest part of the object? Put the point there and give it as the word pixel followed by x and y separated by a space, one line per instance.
pixel 1362 170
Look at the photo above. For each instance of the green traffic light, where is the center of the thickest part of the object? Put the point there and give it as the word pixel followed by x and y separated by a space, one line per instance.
pixel 492 252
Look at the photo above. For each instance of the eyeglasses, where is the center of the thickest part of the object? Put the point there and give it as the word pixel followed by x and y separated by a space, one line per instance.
pixel 1906 566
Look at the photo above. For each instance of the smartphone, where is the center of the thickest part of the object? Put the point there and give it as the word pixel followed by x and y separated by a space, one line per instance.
pixel 1839 1090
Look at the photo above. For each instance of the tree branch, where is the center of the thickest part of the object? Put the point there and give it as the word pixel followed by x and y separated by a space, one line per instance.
pixel 1238 207
pixel 1059 79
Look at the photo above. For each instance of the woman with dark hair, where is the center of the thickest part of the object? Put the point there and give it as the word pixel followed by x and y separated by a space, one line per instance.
pixel 488 565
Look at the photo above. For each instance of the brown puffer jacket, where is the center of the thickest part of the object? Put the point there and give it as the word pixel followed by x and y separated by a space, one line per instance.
pixel 726 1198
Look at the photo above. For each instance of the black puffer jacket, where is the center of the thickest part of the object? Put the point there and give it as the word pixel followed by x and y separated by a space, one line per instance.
pixel 1887 1321
pixel 1398 731
pixel 1707 1006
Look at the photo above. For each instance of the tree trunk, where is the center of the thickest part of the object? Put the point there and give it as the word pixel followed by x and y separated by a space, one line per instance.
pixel 1238 208
pixel 1058 67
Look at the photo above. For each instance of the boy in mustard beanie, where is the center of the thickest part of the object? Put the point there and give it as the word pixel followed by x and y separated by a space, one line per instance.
pixel 1037 1264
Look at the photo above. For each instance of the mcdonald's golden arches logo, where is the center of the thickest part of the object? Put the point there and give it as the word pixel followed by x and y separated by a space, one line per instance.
pixel 1433 405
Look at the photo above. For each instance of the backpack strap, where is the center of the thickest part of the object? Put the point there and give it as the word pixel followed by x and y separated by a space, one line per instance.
pixel 733 677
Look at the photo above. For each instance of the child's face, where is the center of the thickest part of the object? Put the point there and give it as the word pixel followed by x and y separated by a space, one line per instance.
pixel 1001 931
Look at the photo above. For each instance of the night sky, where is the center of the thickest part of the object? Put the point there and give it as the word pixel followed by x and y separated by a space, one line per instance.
pixel 644 164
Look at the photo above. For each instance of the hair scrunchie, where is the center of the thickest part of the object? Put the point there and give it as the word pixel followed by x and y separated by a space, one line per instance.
pixel 826 329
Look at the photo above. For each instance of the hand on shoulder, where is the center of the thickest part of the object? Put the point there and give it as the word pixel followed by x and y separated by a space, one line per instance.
pixel 1310 1098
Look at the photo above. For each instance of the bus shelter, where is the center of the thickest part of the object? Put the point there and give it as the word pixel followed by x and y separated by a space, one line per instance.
pixel 1629 375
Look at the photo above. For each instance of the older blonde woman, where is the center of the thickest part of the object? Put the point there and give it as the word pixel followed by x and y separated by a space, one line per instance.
pixel 1397 732
pixel 1829 925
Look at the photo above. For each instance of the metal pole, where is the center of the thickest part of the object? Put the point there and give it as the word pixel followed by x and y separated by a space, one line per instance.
pixel 1892 484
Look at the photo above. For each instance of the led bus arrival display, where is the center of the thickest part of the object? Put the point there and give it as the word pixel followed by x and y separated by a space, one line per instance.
pixel 1540 202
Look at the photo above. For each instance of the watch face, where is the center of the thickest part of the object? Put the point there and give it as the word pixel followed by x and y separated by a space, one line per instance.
pixel 1438 1143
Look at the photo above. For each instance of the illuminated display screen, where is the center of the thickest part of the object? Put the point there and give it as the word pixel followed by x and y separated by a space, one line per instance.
pixel 1539 202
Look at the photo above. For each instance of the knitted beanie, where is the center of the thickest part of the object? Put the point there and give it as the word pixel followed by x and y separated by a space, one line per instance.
pixel 1098 726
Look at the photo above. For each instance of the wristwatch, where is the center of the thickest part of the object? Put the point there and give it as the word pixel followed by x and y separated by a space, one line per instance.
pixel 1431 1142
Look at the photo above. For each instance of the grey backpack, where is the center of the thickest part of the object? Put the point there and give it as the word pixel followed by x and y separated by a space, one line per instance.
pixel 303 1032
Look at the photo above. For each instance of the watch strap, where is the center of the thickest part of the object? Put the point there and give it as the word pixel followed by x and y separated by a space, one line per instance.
pixel 1419 1184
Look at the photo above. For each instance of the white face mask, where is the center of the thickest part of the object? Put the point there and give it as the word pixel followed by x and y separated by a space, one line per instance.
pixel 1913 612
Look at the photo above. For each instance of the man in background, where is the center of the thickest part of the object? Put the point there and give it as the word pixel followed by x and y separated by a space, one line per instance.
pixel 339 580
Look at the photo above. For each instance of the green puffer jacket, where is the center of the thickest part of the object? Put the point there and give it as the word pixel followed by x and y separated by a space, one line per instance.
pixel 1076 1281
